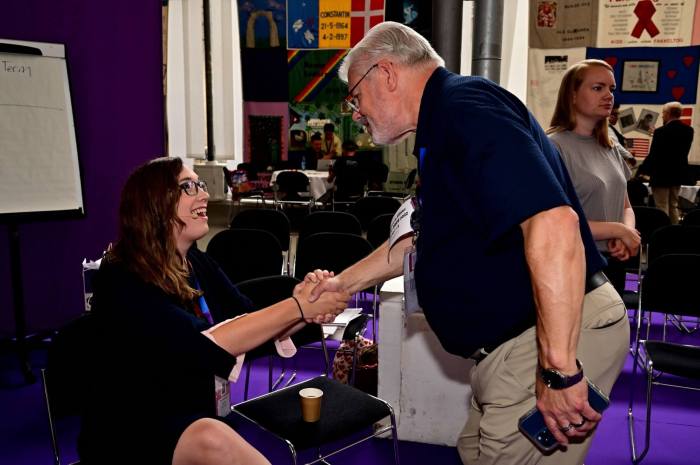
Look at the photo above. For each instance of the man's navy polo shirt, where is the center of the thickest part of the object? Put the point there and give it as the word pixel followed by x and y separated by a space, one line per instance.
pixel 486 166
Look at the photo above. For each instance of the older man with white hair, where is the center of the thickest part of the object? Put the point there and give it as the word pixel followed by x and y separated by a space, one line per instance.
pixel 667 162
pixel 506 268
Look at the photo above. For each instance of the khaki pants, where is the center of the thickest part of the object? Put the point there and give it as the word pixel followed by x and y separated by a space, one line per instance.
pixel 666 198
pixel 503 385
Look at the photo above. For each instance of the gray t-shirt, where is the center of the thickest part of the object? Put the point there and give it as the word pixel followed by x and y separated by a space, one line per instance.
pixel 599 175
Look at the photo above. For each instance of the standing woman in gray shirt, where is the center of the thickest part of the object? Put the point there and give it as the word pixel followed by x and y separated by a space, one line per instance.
pixel 579 129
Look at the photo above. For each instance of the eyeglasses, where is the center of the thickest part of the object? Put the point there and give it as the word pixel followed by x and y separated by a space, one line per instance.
pixel 351 100
pixel 192 187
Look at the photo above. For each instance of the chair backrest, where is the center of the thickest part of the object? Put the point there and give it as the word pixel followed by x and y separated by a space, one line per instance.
pixel 267 290
pixel 692 218
pixel 368 208
pixel 378 229
pixel 68 373
pixel 291 183
pixel 329 221
pixel 670 285
pixel 674 239
pixel 648 220
pixel 267 219
pixel 637 192
pixel 329 251
pixel 246 253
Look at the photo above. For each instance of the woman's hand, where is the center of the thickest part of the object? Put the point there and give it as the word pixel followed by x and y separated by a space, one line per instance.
pixel 325 308
pixel 618 250
pixel 632 240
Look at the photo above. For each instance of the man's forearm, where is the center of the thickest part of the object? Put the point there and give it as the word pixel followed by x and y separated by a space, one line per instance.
pixel 376 268
pixel 555 255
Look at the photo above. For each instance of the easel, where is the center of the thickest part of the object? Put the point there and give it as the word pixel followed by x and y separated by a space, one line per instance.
pixel 20 339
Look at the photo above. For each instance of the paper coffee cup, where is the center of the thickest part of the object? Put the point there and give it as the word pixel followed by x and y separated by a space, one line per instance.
pixel 310 404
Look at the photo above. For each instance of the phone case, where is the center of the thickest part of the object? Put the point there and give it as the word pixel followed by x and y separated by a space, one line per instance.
pixel 532 423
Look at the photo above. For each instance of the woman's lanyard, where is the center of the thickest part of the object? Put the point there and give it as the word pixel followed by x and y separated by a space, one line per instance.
pixel 201 309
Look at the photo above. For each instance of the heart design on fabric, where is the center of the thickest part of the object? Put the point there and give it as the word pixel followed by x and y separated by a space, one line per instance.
pixel 612 61
pixel 671 73
pixel 688 60
pixel 677 92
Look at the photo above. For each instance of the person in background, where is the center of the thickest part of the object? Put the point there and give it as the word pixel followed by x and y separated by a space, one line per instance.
pixel 331 142
pixel 506 269
pixel 667 162
pixel 579 129
pixel 314 152
pixel 347 175
pixel 157 299
pixel 617 137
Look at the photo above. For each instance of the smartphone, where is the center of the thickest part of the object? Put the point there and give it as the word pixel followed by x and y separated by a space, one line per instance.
pixel 532 423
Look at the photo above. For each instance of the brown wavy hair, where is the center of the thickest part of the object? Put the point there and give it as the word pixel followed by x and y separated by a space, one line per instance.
pixel 147 221
pixel 564 118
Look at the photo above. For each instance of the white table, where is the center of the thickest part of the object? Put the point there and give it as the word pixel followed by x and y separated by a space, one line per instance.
pixel 318 181
pixel 690 193
pixel 427 387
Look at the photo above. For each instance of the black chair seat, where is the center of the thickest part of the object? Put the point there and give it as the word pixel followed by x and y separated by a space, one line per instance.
pixel 674 359
pixel 280 413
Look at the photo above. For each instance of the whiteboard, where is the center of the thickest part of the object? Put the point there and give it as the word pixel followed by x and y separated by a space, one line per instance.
pixel 39 169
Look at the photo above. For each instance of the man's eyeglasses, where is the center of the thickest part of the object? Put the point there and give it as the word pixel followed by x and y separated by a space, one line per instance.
pixel 351 100
pixel 192 187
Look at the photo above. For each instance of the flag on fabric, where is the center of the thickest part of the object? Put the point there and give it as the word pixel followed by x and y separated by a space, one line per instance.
pixel 364 16
pixel 639 147
pixel 652 75
pixel 330 24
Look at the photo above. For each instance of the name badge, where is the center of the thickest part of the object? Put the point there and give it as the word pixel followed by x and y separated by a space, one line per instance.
pixel 409 281
pixel 401 222
pixel 222 395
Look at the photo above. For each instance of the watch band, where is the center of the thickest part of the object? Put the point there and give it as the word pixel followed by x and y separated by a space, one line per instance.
pixel 554 379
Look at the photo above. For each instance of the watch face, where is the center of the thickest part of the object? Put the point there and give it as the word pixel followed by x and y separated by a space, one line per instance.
pixel 551 378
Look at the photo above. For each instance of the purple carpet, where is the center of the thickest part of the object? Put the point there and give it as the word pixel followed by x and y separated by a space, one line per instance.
pixel 24 435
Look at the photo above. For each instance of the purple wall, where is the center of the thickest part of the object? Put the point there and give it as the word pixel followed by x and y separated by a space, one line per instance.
pixel 114 58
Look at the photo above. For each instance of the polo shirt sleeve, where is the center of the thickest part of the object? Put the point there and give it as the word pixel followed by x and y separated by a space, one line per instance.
pixel 514 171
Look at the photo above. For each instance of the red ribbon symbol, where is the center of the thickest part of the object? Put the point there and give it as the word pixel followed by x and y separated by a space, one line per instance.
pixel 645 10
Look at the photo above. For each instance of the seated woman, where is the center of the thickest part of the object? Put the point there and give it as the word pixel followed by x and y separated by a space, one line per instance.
pixel 156 300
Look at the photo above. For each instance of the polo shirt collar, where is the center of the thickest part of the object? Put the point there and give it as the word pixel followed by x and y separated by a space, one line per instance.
pixel 428 103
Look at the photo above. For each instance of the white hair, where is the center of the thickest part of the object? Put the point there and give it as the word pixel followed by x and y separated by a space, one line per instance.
pixel 393 40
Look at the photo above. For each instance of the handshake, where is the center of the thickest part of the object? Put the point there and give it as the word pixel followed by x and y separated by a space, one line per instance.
pixel 321 297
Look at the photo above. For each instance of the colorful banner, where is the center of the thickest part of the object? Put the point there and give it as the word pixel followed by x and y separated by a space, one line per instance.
pixel 634 23
pixel 313 76
pixel 545 70
pixel 652 75
pixel 261 23
pixel 563 23
pixel 331 24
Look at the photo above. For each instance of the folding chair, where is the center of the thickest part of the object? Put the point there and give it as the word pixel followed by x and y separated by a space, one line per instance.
pixel 246 253
pixel 329 221
pixel 345 411
pixel 66 376
pixel 273 221
pixel 378 229
pixel 368 208
pixel 333 252
pixel 292 188
pixel 669 287
pixel 692 218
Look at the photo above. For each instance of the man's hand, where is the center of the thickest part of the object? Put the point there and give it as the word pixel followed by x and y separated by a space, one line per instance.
pixel 331 284
pixel 566 412
pixel 618 250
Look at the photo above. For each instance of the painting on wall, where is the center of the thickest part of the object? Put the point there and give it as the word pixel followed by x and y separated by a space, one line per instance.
pixel 261 23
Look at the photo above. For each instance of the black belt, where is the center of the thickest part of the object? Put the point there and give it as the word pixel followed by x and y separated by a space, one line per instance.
pixel 596 280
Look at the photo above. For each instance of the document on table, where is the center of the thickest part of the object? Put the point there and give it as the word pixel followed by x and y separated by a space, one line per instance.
pixel 335 330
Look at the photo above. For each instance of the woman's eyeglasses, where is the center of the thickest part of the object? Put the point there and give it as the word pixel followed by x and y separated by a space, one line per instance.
pixel 192 187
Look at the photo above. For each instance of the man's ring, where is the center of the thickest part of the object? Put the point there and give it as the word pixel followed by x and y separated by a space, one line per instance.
pixel 578 425
pixel 566 428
